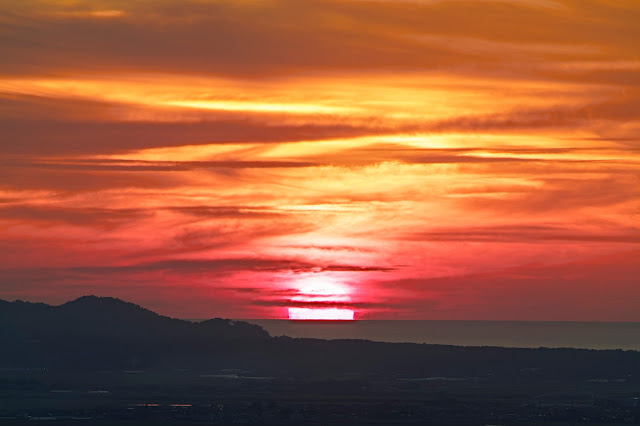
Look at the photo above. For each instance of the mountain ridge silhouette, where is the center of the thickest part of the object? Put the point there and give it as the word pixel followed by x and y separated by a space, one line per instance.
pixel 94 333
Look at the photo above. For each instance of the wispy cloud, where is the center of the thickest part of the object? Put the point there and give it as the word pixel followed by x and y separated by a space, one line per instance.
pixel 420 158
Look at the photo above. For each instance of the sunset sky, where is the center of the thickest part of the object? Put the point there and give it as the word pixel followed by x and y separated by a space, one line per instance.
pixel 387 159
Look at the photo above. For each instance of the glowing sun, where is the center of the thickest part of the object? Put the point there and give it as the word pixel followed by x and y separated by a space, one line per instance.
pixel 316 291
pixel 321 314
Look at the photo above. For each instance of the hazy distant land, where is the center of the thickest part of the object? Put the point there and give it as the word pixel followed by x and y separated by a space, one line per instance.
pixel 112 362
pixel 515 334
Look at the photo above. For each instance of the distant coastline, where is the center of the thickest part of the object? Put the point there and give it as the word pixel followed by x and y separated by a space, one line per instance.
pixel 108 361
pixel 517 334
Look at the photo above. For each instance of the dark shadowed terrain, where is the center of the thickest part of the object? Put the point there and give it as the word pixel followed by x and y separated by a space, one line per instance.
pixel 103 361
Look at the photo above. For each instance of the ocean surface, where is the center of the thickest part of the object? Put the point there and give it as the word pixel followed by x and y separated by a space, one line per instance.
pixel 518 334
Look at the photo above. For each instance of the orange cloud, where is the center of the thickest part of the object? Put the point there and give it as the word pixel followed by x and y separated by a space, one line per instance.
pixel 432 159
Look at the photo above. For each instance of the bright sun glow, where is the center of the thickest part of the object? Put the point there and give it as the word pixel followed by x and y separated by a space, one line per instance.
pixel 320 289
pixel 321 314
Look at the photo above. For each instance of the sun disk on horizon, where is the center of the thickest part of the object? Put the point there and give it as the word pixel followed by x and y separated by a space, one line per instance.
pixel 325 314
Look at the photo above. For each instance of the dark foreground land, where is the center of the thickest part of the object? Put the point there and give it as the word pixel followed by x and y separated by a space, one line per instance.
pixel 101 361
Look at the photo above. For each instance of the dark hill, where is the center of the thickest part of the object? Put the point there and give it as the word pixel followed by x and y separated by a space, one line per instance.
pixel 106 333
pixel 107 317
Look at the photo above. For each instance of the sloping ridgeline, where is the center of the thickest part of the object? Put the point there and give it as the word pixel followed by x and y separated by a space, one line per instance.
pixel 105 333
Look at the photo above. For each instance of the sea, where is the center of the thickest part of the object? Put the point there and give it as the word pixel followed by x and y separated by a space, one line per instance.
pixel 516 334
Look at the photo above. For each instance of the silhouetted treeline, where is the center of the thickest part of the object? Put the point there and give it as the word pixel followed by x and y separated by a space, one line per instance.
pixel 106 333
